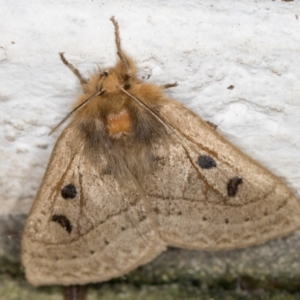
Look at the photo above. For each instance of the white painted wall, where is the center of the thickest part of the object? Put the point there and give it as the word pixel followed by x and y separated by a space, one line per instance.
pixel 205 46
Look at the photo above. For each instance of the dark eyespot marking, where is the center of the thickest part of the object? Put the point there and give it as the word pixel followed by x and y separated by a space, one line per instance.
pixel 231 87
pixel 232 186
pixel 63 222
pixel 68 191
pixel 106 242
pixel 92 252
pixel 204 219
pixel 206 162
pixel 226 221
pixel 126 86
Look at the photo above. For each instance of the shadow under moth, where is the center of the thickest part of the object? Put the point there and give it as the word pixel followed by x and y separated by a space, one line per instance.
pixel 135 172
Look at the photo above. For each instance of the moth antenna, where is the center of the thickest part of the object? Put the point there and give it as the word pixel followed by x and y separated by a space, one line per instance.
pixel 82 80
pixel 119 50
pixel 99 69
pixel 169 85
pixel 75 109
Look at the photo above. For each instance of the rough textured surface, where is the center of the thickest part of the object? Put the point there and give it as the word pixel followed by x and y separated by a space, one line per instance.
pixel 112 201
pixel 18 289
pixel 207 47
pixel 204 46
pixel 270 271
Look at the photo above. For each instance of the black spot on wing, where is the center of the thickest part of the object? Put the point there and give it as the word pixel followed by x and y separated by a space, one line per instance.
pixel 63 221
pixel 68 191
pixel 206 162
pixel 232 185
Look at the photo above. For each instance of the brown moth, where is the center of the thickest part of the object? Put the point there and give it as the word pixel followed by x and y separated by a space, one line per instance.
pixel 135 172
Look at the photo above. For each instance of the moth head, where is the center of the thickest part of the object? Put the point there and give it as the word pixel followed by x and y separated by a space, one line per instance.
pixel 108 94
pixel 120 76
pixel 110 81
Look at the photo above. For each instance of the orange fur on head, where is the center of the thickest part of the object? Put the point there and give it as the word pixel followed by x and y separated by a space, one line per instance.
pixel 118 123
pixel 112 118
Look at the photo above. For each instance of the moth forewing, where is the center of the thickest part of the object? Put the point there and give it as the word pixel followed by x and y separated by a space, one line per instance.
pixel 208 195
pixel 73 237
pixel 134 172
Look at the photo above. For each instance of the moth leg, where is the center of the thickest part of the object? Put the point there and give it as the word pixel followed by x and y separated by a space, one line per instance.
pixel 212 125
pixel 75 292
pixel 169 85
pixel 82 80
pixel 120 53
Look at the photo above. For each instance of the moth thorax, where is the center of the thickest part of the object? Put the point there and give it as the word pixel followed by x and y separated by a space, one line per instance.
pixel 118 124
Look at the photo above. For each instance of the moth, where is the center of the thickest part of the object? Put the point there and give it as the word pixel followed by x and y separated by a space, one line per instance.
pixel 135 172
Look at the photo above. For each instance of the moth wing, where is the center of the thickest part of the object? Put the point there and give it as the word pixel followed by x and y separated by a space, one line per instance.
pixel 207 194
pixel 85 226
